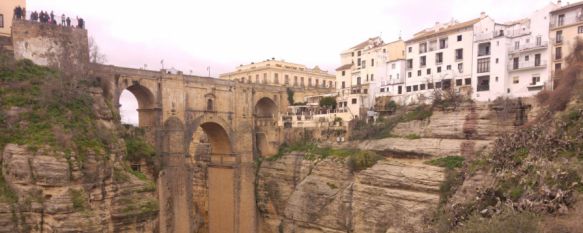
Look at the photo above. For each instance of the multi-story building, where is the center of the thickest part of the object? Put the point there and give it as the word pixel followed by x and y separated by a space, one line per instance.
pixel 356 82
pixel 566 26
pixel 7 14
pixel 439 57
pixel 510 59
pixel 281 73
pixel 391 77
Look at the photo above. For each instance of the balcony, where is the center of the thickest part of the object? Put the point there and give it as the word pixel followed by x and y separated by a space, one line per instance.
pixel 567 20
pixel 487 36
pixel 512 67
pixel 529 47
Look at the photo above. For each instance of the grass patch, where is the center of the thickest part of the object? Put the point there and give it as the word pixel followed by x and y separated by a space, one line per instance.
pixel 449 162
pixel 413 136
pixel 507 222
pixel 79 199
pixel 7 195
pixel 331 185
pixel 421 112
pixel 358 160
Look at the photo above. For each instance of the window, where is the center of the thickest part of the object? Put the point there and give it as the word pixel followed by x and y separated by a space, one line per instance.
pixel 209 105
pixel 516 45
pixel 535 80
pixel 539 40
pixel 526 58
pixel 468 81
pixel 559 37
pixel 429 71
pixel 459 38
pixel 393 66
pixel 496 60
pixel 256 78
pixel 286 80
pixel 419 73
pixel 1 21
pixel 422 87
pixel 359 61
pixel 408 88
pixel 372 77
pixel 422 61
pixel 430 86
pixel 367 77
pixel 264 78
pixel 515 80
pixel 438 58
pixel 302 81
pixel 343 84
pixel 438 85
pixel 439 69
pixel 357 81
pixel 400 90
pixel 459 82
pixel 460 67
pixel 515 63
pixel 275 79
pixel 410 64
pixel 295 80
pixel 415 88
pixel 459 54
pixel 557 68
pixel 537 61
pixel 484 83
pixel 354 101
pixel 363 64
pixel 371 62
pixel 561 20
pixel 409 74
pixel 484 49
pixel 448 67
pixel 422 47
pixel 558 53
pixel 359 53
pixel 384 50
pixel 353 54
pixel 343 72
pixel 580 29
pixel 484 65
pixel 365 91
pixel 382 89
pixel 443 43
pixel 410 49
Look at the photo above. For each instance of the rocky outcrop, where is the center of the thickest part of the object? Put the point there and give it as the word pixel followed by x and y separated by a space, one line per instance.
pixel 299 195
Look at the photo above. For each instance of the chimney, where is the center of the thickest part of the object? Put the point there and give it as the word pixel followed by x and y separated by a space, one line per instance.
pixel 482 15
pixel 559 2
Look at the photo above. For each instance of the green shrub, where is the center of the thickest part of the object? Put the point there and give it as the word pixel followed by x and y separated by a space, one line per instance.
pixel 412 136
pixel 7 195
pixel 328 102
pixel 453 179
pixel 447 162
pixel 421 112
pixel 79 199
pixel 510 221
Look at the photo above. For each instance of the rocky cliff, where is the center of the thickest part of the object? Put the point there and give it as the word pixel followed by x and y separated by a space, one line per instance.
pixel 63 158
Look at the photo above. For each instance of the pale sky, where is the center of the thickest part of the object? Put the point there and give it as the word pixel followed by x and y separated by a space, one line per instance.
pixel 190 35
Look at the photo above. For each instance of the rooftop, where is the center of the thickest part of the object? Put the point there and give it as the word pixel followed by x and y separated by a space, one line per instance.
pixel 568 6
pixel 442 29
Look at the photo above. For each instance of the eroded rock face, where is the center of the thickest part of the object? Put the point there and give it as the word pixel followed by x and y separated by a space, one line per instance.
pixel 298 195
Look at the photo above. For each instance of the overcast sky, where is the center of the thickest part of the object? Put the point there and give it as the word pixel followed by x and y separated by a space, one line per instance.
pixel 190 35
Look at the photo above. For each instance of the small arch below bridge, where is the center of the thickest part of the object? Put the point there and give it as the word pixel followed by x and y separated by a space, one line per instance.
pixel 266 117
pixel 211 143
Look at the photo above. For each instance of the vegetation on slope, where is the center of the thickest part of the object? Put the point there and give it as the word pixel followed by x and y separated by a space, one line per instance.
pixel 536 171
pixel 357 159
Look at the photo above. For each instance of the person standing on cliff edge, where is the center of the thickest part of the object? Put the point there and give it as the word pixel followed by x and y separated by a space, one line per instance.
pixel 63 20
pixel 68 22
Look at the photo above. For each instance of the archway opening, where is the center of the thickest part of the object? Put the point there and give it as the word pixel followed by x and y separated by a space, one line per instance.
pixel 137 106
pixel 265 108
pixel 211 143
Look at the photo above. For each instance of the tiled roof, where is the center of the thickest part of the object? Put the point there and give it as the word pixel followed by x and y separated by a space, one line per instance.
pixel 425 34
pixel 364 43
pixel 344 67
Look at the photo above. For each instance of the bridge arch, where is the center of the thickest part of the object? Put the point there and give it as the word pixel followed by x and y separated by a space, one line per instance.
pixel 146 103
pixel 265 108
pixel 211 138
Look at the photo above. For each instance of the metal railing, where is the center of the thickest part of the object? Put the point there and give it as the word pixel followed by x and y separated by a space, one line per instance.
pixel 529 46
pixel 526 65
pixel 567 20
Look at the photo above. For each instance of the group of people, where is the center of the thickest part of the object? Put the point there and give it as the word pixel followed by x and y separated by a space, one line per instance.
pixel 46 17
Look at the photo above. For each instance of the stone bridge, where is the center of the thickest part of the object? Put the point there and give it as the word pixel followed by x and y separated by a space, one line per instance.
pixel 208 132
pixel 203 128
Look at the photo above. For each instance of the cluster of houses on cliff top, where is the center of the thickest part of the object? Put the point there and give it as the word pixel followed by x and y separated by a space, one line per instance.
pixel 481 58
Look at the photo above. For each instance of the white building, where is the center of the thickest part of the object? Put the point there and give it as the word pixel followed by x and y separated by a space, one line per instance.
pixel 511 58
pixel 439 57
pixel 391 76
pixel 357 82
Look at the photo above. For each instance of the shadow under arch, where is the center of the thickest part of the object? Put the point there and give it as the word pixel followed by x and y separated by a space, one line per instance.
pixel 211 140
pixel 265 108
pixel 146 104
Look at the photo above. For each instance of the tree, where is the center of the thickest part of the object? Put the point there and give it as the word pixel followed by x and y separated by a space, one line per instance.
pixel 95 54
pixel 290 96
pixel 328 102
